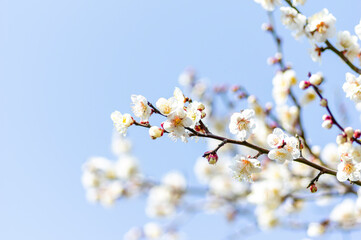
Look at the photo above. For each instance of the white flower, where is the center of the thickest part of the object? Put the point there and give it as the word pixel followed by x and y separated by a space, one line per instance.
pixel 161 202
pixel 276 139
pixel 167 106
pixel 268 5
pixel 121 121
pixel 242 124
pixel 267 193
pixel 344 214
pixel 282 82
pixel 152 230
pixel 348 44
pixel 348 169
pixel 321 26
pixel 352 87
pixel 288 116
pixel 293 20
pixel 225 187
pixel 266 218
pixel 315 229
pixel 140 107
pixel 285 148
pixel 358 30
pixel 187 78
pixel 175 180
pixel 194 112
pixel 244 167
pixel 126 167
pixel 315 53
pixel 155 132
pixel 176 123
pixel 178 94
pixel 329 155
pixel 297 2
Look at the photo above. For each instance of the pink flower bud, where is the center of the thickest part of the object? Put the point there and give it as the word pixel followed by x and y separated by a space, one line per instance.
pixel 326 117
pixel 357 133
pixel 211 156
pixel 313 188
pixel 304 85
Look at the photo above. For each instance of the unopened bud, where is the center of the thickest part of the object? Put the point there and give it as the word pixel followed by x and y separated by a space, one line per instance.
pixel 211 156
pixel 349 132
pixel 327 124
pixel 201 107
pixel 235 88
pixel 203 115
pixel 155 132
pixel 266 27
pixel 357 133
pixel 304 85
pixel 252 99
pixel 323 102
pixel 340 139
pixel 313 188
pixel 326 117
pixel 316 79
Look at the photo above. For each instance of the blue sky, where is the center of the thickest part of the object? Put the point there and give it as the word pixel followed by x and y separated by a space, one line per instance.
pixel 66 65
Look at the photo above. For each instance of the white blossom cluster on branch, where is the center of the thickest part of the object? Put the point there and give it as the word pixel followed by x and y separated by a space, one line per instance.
pixel 260 162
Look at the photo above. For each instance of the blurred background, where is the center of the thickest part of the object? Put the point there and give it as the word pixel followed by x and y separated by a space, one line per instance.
pixel 66 65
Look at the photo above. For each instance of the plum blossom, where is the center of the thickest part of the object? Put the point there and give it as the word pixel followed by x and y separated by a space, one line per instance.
pixel 121 122
pixel 315 229
pixel 352 87
pixel 298 2
pixel 176 123
pixel 269 5
pixel 293 20
pixel 344 214
pixel 348 169
pixel 284 147
pixel 315 53
pixel 244 167
pixel 348 44
pixel 282 82
pixel 242 124
pixel 194 112
pixel 167 106
pixel 321 26
pixel 140 108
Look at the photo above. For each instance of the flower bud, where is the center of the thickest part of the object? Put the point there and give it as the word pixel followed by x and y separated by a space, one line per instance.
pixel 349 132
pixel 323 102
pixel 252 99
pixel 313 188
pixel 326 117
pixel 266 27
pixel 203 115
pixel 155 132
pixel 357 133
pixel 235 88
pixel 316 79
pixel 340 139
pixel 327 124
pixel 211 156
pixel 200 107
pixel 304 85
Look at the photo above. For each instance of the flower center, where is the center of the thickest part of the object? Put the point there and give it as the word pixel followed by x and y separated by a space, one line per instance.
pixel 322 27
